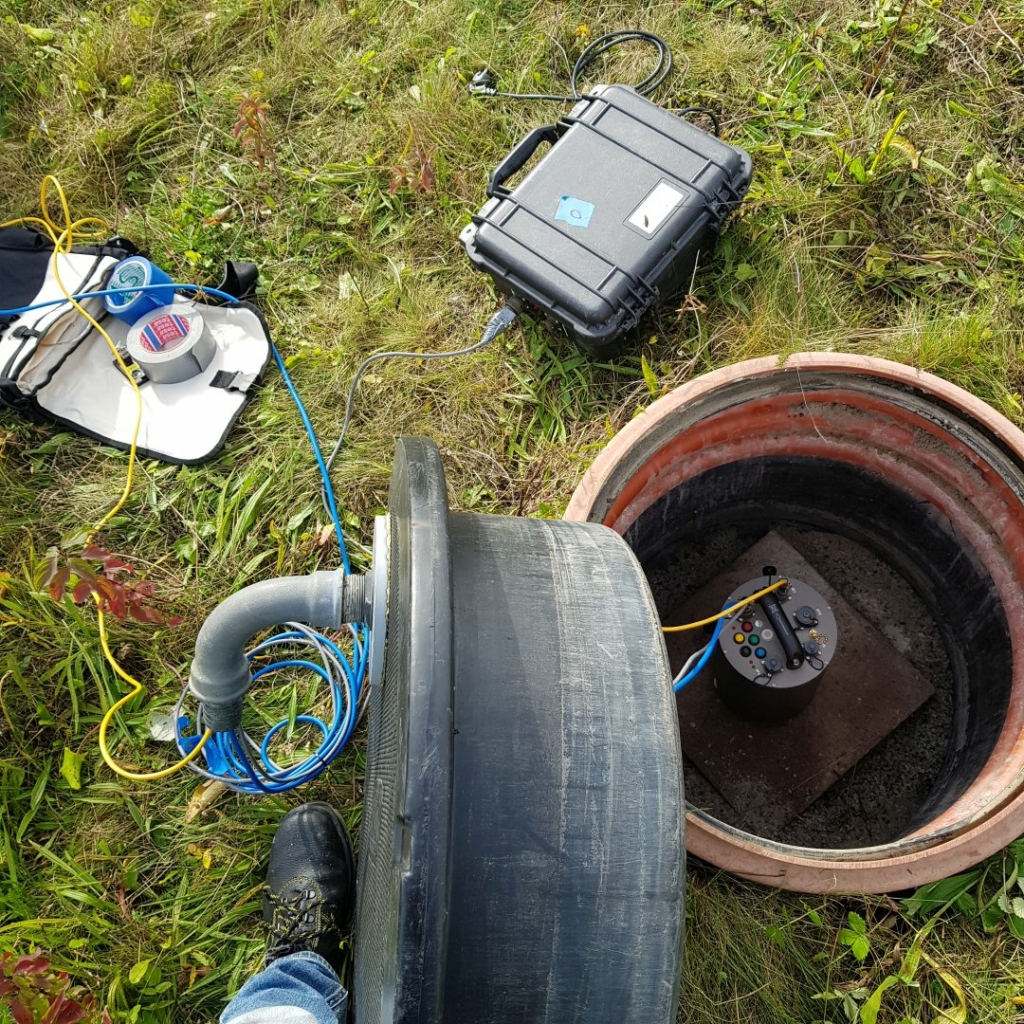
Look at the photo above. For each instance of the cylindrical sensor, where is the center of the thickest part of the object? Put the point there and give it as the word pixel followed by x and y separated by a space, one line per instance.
pixel 768 667
pixel 171 344
pixel 129 303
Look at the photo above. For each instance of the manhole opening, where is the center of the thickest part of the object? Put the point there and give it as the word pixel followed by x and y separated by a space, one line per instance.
pixel 901 566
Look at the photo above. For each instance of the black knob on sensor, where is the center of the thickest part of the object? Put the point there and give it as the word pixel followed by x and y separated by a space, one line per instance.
pixel 805 616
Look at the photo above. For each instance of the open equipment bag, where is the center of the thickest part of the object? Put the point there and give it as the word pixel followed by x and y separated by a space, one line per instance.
pixel 55 366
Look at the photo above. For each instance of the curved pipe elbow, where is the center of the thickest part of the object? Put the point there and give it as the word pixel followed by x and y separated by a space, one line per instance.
pixel 220 673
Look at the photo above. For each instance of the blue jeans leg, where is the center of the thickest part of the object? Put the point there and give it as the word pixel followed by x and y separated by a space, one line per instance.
pixel 297 989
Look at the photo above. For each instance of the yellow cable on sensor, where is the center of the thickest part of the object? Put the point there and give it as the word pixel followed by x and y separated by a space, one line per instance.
pixel 727 612
pixel 137 688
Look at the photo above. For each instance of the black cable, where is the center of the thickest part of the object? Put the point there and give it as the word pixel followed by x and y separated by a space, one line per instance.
pixel 703 110
pixel 482 83
pixel 497 325
pixel 604 43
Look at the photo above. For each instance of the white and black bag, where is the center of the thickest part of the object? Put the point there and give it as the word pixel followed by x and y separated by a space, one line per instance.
pixel 55 366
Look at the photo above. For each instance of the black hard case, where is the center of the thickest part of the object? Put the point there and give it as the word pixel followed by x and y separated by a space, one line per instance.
pixel 610 152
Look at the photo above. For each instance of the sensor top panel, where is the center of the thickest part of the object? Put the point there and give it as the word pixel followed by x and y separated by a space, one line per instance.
pixel 753 646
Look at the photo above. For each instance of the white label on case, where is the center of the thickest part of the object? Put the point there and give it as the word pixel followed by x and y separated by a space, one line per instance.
pixel 659 203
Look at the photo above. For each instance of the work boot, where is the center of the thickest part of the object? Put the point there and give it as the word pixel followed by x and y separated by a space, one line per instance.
pixel 310 885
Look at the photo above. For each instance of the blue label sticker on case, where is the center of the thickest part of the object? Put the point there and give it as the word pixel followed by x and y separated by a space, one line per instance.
pixel 576 212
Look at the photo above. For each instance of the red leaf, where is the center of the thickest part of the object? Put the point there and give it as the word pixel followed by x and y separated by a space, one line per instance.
pixel 57 1006
pixel 104 588
pixel 21 1013
pixel 59 582
pixel 31 965
pixel 83 588
pixel 64 1011
pixel 122 901
pixel 112 596
pixel 427 175
pixel 144 588
pixel 143 612
pixel 6 986
pixel 97 554
pixel 117 603
pixel 112 566
pixel 173 621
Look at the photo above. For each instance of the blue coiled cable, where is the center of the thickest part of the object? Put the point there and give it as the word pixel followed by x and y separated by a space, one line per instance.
pixel 345 678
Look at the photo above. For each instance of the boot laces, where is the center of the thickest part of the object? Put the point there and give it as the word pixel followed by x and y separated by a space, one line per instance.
pixel 297 922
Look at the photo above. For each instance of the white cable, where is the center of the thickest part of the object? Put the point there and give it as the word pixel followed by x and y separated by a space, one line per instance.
pixel 690 662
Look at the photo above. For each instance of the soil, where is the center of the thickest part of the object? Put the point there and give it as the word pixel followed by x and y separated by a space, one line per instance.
pixel 875 801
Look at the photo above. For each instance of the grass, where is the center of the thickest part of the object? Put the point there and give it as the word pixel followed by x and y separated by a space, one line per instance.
pixel 867 229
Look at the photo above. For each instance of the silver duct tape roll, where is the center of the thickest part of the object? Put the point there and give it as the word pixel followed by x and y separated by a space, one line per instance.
pixel 171 344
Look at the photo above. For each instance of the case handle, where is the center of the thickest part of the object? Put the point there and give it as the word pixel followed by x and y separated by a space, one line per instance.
pixel 517 159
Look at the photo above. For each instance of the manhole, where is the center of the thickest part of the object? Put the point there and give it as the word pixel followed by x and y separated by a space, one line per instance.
pixel 905 494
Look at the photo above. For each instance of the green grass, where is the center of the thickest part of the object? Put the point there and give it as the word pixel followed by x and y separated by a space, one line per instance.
pixel 905 244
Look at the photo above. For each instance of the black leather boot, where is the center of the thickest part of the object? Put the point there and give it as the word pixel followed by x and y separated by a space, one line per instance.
pixel 310 884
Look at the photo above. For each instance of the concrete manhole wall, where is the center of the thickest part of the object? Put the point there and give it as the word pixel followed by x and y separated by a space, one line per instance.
pixel 919 475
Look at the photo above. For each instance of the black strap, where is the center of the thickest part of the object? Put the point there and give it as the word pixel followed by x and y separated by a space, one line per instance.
pixel 12 398
pixel 239 279
pixel 26 332
pixel 24 257
pixel 233 380
pixel 118 247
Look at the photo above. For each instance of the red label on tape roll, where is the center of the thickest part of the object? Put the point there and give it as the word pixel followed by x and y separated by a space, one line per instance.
pixel 165 333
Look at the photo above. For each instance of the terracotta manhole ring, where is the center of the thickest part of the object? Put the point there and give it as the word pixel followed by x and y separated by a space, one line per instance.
pixel 960 466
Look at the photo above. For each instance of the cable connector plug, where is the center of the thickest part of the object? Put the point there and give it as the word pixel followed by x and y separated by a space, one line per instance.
pixel 500 322
pixel 483 83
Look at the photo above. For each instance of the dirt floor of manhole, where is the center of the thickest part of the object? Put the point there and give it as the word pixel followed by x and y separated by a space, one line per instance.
pixel 876 799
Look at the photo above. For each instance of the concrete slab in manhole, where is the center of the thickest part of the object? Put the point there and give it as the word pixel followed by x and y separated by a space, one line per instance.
pixel 773 773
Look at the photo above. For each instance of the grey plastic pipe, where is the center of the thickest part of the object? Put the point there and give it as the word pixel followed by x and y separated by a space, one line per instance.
pixel 220 672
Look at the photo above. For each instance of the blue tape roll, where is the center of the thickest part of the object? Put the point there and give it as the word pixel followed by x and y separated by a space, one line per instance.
pixel 133 272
